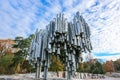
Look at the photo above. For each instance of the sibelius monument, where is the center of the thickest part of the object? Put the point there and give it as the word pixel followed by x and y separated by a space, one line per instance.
pixel 60 37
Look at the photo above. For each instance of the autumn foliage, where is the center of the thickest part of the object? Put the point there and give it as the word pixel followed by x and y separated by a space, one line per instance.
pixel 109 66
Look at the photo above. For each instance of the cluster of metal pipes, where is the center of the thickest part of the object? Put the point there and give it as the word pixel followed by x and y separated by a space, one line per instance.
pixel 60 37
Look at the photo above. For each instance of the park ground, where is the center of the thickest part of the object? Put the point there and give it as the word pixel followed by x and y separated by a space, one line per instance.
pixel 31 76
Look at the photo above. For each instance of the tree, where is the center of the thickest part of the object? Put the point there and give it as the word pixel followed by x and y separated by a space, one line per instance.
pixel 117 65
pixel 85 66
pixel 5 63
pixel 22 53
pixel 2 49
pixel 94 66
pixel 97 67
pixel 56 64
pixel 15 62
pixel 109 66
pixel 27 67
pixel 6 56
pixel 5 48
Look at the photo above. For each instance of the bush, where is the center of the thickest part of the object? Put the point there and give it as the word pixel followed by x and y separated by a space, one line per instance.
pixel 5 62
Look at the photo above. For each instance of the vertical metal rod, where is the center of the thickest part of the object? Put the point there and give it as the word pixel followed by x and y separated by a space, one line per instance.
pixel 36 74
pixel 39 70
pixel 45 72
pixel 73 36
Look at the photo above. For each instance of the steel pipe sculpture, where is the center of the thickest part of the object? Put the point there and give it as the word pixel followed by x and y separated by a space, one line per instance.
pixel 60 36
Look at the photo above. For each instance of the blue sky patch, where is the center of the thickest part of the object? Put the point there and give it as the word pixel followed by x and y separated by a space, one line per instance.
pixel 103 17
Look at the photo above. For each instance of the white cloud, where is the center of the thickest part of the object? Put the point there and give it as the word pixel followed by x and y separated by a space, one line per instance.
pixel 104 21
pixel 103 16
pixel 107 58
pixel 106 32
pixel 16 18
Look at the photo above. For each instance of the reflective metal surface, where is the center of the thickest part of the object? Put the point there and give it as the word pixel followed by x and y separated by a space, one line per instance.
pixel 60 36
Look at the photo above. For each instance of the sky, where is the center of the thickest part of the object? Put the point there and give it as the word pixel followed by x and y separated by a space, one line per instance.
pixel 23 17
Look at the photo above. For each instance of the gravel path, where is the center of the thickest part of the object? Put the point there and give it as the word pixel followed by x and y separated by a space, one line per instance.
pixel 32 75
